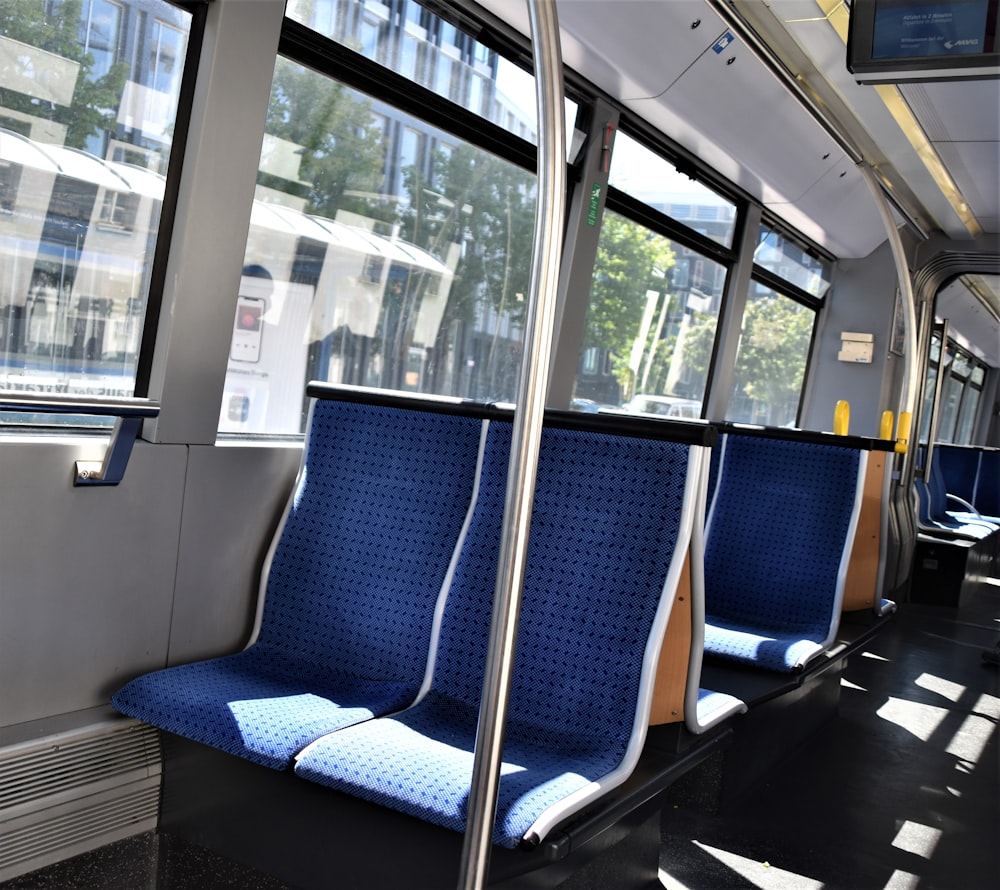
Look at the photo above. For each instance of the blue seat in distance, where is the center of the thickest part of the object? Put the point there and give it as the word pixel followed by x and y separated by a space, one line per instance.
pixel 935 517
pixel 353 579
pixel 610 527
pixel 778 542
pixel 959 467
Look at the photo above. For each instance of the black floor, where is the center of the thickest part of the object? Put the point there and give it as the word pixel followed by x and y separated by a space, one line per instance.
pixel 901 791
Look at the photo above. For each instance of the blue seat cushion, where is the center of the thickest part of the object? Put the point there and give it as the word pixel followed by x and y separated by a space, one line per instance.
pixel 605 549
pixel 420 763
pixel 776 650
pixel 356 577
pixel 257 704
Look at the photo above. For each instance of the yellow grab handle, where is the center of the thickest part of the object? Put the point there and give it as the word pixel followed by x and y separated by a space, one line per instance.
pixel 903 432
pixel 885 430
pixel 842 418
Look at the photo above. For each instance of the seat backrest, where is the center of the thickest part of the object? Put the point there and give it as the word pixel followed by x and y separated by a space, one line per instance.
pixel 987 499
pixel 610 523
pixel 370 534
pixel 959 467
pixel 779 533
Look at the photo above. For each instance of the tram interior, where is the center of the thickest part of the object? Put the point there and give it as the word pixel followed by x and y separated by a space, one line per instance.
pixel 873 762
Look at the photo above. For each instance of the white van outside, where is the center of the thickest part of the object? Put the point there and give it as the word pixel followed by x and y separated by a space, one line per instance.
pixel 664 406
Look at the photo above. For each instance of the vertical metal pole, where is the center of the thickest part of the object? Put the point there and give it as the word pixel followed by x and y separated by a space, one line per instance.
pixel 550 211
pixel 911 374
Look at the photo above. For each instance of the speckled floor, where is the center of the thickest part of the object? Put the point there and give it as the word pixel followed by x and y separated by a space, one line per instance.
pixel 150 861
pixel 901 792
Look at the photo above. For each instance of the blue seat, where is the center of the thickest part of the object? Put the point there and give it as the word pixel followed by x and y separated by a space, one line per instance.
pixel 934 515
pixel 779 535
pixel 611 521
pixel 358 568
pixel 959 467
pixel 987 499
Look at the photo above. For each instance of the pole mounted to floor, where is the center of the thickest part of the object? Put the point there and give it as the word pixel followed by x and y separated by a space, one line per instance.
pixel 550 210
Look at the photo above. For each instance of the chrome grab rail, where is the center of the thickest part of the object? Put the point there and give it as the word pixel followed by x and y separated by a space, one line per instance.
pixel 130 414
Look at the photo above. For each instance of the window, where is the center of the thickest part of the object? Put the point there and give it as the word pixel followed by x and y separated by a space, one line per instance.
pixel 790 260
pixel 771 359
pixel 655 181
pixel 78 227
pixel 657 326
pixel 434 54
pixel 374 259
pixel 100 31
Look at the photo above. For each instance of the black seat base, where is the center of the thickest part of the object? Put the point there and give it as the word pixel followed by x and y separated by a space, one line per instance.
pixel 310 836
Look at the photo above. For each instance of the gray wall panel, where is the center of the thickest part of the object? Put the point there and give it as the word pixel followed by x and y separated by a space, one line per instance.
pixel 233 501
pixel 86 574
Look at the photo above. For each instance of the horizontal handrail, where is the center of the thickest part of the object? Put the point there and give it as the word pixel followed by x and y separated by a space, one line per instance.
pixel 70 404
pixel 130 413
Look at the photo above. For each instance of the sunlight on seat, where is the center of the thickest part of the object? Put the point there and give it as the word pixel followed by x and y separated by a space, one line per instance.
pixel 921 840
pixel 974 733
pixel 917 719
pixel 759 874
pixel 951 691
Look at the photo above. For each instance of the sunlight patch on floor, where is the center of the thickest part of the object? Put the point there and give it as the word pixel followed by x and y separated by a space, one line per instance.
pixel 921 840
pixel 973 735
pixel 759 874
pixel 902 880
pixel 951 691
pixel 917 719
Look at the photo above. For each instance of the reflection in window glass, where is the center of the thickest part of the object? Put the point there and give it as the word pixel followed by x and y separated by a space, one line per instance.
pixel 967 416
pixel 771 359
pixel 435 55
pixel 927 404
pixel 374 259
pixel 100 26
pixel 654 181
pixel 950 397
pixel 651 323
pixel 789 260
pixel 85 136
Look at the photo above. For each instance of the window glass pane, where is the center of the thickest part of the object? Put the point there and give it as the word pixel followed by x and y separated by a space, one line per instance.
pixel 375 257
pixel 651 323
pixel 967 416
pixel 654 181
pixel 949 409
pixel 100 28
pixel 432 54
pixel 784 257
pixel 771 359
pixel 928 403
pixel 85 138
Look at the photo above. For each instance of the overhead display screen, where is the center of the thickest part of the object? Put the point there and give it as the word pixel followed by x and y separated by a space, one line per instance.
pixel 914 40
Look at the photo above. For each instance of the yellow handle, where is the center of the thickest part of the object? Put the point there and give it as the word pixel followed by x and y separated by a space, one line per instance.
pixel 885 430
pixel 842 418
pixel 903 432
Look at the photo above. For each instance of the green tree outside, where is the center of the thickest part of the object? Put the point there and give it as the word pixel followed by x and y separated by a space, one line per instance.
pixel 95 101
pixel 631 260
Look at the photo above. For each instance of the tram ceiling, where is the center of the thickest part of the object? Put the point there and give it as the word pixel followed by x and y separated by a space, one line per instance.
pixel 714 75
